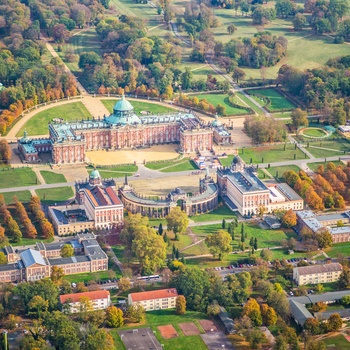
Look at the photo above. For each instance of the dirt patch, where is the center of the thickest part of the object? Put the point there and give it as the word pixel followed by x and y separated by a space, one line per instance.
pixel 208 326
pixel 102 157
pixel 189 328
pixel 168 331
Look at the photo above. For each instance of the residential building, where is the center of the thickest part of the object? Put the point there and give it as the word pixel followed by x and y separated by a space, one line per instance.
pixel 72 303
pixel 315 274
pixel 313 222
pixel 243 191
pixel 35 264
pixel 155 299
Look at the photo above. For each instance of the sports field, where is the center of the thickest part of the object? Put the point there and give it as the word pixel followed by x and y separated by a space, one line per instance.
pixel 38 124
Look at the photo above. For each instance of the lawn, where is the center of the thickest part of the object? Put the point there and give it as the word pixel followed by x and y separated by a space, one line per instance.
pixel 51 196
pixel 122 168
pixel 269 154
pixel 338 250
pixel 139 106
pixel 278 102
pixel 313 166
pixel 223 99
pixel 167 317
pixel 278 171
pixel 88 276
pixel 52 178
pixel 38 124
pixel 23 196
pixel 30 241
pixel 164 164
pixel 105 174
pixel 252 105
pixel 314 132
pixel 323 153
pixel 336 343
pixel 333 147
pixel 222 212
pixel 182 166
pixel 17 177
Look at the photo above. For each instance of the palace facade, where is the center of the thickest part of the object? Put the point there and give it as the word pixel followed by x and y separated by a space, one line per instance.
pixel 123 129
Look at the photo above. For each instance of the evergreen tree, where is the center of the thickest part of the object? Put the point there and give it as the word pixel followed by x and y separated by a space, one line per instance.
pixel 160 229
pixel 174 249
pixel 253 251
pixel 255 243
pixel 223 225
pixel 177 253
pixel 183 260
pixel 242 237
pixel 251 242
pixel 242 229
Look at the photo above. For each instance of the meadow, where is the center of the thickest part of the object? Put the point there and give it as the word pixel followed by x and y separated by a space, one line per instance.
pixel 51 196
pixel 38 124
pixel 52 178
pixel 277 101
pixel 17 177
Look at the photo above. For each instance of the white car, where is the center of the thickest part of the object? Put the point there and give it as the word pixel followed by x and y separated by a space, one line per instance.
pixel 137 175
pixel 291 293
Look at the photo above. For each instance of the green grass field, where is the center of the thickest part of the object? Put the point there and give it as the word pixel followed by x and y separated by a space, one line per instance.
pixel 55 195
pixel 17 177
pixel 223 212
pixel 278 102
pixel 336 343
pixel 255 108
pixel 314 132
pixel 38 124
pixel 223 99
pixel 181 166
pixel 164 164
pixel 313 166
pixel 338 250
pixel 112 174
pixel 29 241
pixel 122 168
pixel 139 106
pixel 169 317
pixel 23 196
pixel 269 154
pixel 278 171
pixel 86 277
pixel 52 178
pixel 328 148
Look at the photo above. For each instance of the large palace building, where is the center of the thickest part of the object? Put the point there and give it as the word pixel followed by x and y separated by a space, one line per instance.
pixel 123 129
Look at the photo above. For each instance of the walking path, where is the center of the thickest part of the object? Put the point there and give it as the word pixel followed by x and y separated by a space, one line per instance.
pixel 39 176
pixel 301 147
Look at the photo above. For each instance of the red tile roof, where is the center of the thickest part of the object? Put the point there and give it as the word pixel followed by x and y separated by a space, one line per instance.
pixel 97 294
pixel 154 294
pixel 112 195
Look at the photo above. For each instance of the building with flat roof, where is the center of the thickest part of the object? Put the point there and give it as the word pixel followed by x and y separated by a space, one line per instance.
pixel 310 220
pixel 239 185
pixel 155 299
pixel 315 274
pixel 71 303
pixel 35 264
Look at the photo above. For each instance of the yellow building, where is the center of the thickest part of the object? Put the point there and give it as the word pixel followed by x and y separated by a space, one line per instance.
pixel 317 274
pixel 155 299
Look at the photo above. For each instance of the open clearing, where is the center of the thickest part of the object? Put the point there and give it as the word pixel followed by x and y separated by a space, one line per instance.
pixel 139 106
pixel 278 102
pixel 223 99
pixel 38 124
pixel 154 153
pixel 189 328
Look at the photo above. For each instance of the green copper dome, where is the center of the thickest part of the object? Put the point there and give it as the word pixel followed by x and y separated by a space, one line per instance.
pixel 216 122
pixel 94 174
pixel 123 105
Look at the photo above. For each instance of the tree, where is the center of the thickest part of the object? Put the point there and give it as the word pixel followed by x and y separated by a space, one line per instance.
pixel 255 243
pixel 319 306
pixel 266 254
pixel 219 243
pixel 67 251
pixel 252 310
pixel 81 288
pixel 268 315
pixel 186 79
pixel 160 229
pixel 37 306
pixel 280 343
pixel 334 323
pixel 85 304
pixel 3 259
pixel 223 224
pixel 60 33
pixel 312 325
pixel 345 300
pixel 299 21
pixel 324 238
pixel 114 317
pixel 57 273
pixel 344 278
pixel 46 228
pixel 289 219
pixel 177 220
pixel 135 313
pixel 214 309
pixel 180 305
pixel 124 284
pixel 89 59
pixel 98 339
pixel 255 337
pixel 299 118
pixel 316 345
pixel 231 29
pixel 238 74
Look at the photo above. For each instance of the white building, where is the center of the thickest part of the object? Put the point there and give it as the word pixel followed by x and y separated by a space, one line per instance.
pixel 155 299
pixel 315 274
pixel 71 303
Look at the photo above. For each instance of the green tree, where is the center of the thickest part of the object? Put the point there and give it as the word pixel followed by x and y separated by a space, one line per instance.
pixel 160 229
pixel 3 259
pixel 334 323
pixel 37 306
pixel 255 337
pixel 312 325
pixel 344 278
pixel 180 305
pixel 177 220
pixel 231 29
pixel 255 243
pixel 114 317
pixel 97 339
pixel 238 74
pixel 124 284
pixel 299 21
pixel 135 313
pixel 223 224
pixel 186 79
pixel 57 274
pixel 67 251
pixel 252 310
pixel 220 109
pixel 268 314
pixel 219 243
pixel 324 238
